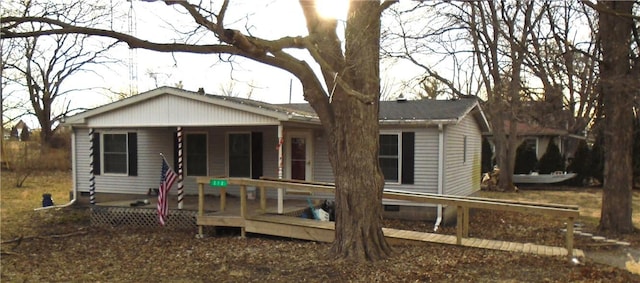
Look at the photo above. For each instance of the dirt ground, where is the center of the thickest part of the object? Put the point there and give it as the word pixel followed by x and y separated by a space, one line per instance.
pixel 61 246
pixel 68 249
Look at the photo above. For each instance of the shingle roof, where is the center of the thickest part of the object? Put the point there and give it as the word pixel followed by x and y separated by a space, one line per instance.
pixel 412 109
pixel 535 130
pixel 448 111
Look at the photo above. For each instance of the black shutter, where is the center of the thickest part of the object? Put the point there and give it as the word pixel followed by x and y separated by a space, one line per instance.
pixel 256 155
pixel 408 151
pixel 96 154
pixel 132 140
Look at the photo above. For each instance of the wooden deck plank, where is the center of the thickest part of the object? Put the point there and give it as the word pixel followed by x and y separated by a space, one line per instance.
pixel 471 242
pixel 226 221
pixel 548 250
pixel 534 249
pixel 495 245
pixel 323 231
pixel 290 231
pixel 484 244
pixel 558 251
pixel 516 247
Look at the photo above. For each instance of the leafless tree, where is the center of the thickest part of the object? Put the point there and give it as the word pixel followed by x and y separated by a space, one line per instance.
pixel 564 58
pixel 619 84
pixel 348 112
pixel 481 45
pixel 46 62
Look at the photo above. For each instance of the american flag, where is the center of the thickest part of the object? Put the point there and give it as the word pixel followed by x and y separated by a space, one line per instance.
pixel 168 176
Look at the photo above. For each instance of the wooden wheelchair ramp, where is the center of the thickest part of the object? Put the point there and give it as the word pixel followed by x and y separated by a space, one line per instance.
pixel 307 229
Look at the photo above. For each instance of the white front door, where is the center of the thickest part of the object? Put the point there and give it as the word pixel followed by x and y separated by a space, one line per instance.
pixel 299 153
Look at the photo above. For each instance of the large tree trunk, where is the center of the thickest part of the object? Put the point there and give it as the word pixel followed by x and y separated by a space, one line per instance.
pixel 618 88
pixel 354 141
pixel 359 182
pixel 504 146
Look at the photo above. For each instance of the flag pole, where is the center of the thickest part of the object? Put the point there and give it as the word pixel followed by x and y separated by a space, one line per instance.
pixel 167 177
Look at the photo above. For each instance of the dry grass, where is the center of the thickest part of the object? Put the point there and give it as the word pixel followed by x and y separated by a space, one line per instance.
pixel 588 199
pixel 17 204
pixel 125 254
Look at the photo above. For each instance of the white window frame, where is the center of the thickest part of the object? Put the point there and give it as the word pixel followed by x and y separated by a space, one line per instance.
pixel 103 158
pixel 399 135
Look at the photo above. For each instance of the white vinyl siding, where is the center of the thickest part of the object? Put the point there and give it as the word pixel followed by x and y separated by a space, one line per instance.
pixel 322 170
pixel 425 162
pixel 462 174
pixel 155 141
pixel 164 110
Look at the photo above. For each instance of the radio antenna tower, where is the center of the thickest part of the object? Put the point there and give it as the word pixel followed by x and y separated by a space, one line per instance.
pixel 133 54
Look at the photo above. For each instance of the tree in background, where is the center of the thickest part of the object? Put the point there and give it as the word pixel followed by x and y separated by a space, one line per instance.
pixel 580 164
pixel 526 159
pixel 563 57
pixel 482 45
pixel 636 148
pixel 45 63
pixel 597 156
pixel 345 94
pixel 487 156
pixel 552 160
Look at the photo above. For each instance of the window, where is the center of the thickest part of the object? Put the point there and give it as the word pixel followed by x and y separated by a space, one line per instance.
pixel 196 155
pixel 396 157
pixel 464 150
pixel 240 155
pixel 114 153
pixel 389 158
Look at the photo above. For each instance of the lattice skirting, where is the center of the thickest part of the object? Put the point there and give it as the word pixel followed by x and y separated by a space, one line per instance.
pixel 140 217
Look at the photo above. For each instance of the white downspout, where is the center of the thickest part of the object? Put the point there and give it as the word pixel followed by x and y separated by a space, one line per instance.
pixel 73 176
pixel 440 174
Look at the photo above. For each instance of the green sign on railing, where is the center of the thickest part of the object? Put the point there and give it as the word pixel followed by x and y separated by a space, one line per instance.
pixel 218 182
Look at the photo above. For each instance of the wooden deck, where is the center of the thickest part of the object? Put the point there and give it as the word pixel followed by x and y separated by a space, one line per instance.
pixel 313 230
pixel 262 222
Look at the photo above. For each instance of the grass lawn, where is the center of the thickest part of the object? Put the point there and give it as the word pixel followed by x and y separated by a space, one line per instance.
pixel 60 245
pixel 588 199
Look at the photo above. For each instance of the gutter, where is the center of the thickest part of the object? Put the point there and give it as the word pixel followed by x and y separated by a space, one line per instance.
pixel 73 177
pixel 440 174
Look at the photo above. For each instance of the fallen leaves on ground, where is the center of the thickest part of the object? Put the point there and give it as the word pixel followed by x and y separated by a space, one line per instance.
pixel 128 254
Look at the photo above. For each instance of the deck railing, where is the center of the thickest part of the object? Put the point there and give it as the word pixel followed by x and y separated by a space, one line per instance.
pixel 463 204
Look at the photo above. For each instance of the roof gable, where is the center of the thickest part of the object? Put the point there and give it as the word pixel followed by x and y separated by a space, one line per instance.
pixel 168 106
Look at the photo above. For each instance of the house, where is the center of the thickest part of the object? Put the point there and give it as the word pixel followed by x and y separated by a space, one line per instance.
pixel 429 146
pixel 537 138
pixel 20 132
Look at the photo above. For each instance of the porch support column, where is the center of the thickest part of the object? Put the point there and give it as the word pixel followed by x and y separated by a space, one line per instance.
pixel 280 168
pixel 180 171
pixel 92 176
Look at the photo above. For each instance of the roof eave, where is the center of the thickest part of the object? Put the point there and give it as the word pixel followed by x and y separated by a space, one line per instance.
pixel 419 122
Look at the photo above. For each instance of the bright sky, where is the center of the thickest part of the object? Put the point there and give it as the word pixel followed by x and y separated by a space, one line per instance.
pixel 268 19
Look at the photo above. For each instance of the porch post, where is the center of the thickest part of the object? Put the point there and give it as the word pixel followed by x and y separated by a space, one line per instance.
pixel 180 172
pixel 280 168
pixel 92 176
